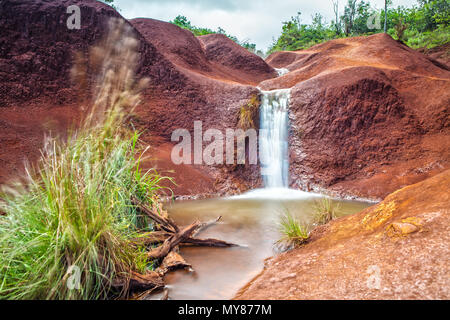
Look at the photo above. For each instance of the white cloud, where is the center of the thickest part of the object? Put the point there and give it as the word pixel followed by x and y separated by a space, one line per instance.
pixel 258 21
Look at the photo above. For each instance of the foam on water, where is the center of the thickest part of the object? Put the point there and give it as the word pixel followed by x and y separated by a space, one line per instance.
pixel 275 194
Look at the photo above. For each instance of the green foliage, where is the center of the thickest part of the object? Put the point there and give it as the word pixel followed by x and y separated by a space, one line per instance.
pixel 434 13
pixel 293 232
pixel 296 36
pixel 349 16
pixel 426 24
pixel 248 112
pixel 74 209
pixel 427 39
pixel 110 2
pixel 364 12
pixel 184 23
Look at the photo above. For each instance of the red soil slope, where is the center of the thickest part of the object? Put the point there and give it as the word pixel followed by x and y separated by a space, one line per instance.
pixel 36 56
pixel 403 241
pixel 439 54
pixel 369 115
pixel 214 56
pixel 230 57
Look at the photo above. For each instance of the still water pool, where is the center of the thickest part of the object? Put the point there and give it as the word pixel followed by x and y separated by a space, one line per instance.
pixel 251 221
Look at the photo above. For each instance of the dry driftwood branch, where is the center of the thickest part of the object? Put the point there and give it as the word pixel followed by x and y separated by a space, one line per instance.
pixel 207 243
pixel 206 225
pixel 171 235
pixel 155 237
pixel 165 295
pixel 172 262
pixel 173 241
pixel 165 223
pixel 141 282
pixel 144 295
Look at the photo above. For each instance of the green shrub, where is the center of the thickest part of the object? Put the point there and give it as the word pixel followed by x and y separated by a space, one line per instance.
pixel 428 39
pixel 75 208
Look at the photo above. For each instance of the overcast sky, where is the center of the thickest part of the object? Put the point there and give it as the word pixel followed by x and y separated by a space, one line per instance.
pixel 258 21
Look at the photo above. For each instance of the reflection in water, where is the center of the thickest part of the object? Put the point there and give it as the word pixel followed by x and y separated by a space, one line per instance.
pixel 252 223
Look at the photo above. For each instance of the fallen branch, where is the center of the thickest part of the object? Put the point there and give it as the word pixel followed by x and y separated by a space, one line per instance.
pixel 172 241
pixel 207 243
pixel 172 261
pixel 165 295
pixel 165 223
pixel 206 225
pixel 141 282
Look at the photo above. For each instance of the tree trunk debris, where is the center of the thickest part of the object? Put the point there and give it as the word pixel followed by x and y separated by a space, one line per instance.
pixel 168 237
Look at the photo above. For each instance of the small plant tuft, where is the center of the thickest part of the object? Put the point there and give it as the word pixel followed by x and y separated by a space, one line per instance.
pixel 325 210
pixel 294 233
pixel 248 113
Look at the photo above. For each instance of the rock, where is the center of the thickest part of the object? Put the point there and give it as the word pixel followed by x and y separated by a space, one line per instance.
pixel 402 228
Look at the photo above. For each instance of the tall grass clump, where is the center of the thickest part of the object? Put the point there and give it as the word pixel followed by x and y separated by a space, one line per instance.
pixel 325 210
pixel 248 112
pixel 294 233
pixel 75 210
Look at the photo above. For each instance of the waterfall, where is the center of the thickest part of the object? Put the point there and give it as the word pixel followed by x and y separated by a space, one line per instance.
pixel 273 139
pixel 274 150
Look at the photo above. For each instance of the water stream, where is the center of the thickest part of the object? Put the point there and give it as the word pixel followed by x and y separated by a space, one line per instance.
pixel 252 223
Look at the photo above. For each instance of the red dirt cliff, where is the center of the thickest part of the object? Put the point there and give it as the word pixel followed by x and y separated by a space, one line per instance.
pixel 369 115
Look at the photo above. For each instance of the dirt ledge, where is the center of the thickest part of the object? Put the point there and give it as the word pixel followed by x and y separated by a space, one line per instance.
pixel 404 239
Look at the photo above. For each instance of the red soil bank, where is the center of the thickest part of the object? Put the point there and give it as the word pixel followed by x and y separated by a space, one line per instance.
pixel 440 54
pixel 214 56
pixel 37 51
pixel 397 249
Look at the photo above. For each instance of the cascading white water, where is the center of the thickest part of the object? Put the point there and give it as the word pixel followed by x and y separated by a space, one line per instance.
pixel 273 139
pixel 274 150
pixel 281 71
